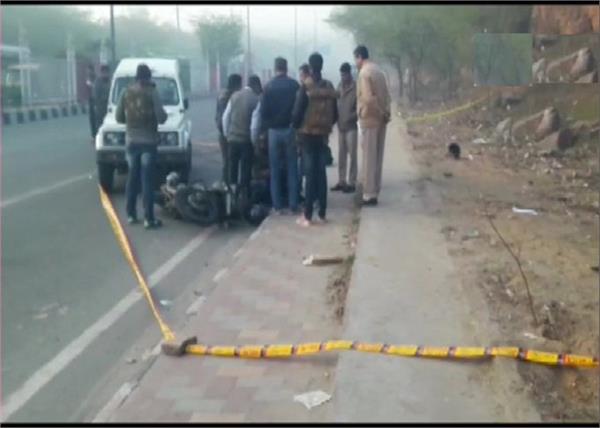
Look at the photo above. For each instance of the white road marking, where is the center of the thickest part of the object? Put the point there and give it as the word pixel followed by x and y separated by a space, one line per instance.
pixel 42 190
pixel 238 252
pixel 254 235
pixel 116 400
pixel 46 373
pixel 220 275
pixel 195 307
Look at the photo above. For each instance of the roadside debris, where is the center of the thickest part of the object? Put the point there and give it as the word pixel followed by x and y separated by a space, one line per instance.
pixel 454 150
pixel 315 260
pixel 312 399
pixel 473 234
pixel 526 211
pixel 480 141
pixel 166 303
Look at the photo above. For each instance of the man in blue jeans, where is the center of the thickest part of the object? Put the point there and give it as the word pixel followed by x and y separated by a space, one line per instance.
pixel 141 110
pixel 276 116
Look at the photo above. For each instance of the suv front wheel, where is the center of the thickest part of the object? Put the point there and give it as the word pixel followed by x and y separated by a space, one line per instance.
pixel 106 175
pixel 184 171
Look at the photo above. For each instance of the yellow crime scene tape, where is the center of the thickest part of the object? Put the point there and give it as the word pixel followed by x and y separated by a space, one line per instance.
pixel 189 346
pixel 446 112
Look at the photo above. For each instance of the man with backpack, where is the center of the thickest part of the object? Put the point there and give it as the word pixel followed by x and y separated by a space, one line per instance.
pixel 141 110
pixel 315 113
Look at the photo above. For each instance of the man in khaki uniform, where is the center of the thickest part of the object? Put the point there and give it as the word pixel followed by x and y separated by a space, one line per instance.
pixel 374 113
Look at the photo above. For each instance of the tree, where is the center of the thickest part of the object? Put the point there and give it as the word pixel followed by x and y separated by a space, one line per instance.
pixel 220 38
pixel 421 38
pixel 46 28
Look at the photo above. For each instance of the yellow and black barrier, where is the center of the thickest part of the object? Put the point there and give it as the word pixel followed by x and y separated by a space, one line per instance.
pixel 445 113
pixel 189 346
pixel 447 352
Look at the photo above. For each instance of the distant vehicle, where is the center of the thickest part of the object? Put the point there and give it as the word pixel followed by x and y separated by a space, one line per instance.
pixel 174 149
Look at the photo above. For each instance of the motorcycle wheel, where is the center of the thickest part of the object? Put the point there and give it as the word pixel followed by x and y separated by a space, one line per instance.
pixel 197 206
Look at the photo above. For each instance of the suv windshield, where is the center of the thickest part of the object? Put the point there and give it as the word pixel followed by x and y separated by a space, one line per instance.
pixel 167 89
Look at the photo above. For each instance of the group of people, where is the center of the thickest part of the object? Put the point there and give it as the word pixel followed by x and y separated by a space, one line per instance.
pixel 289 120
pixel 293 120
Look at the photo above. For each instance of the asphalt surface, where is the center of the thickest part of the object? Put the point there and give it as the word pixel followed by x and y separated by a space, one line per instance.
pixel 72 333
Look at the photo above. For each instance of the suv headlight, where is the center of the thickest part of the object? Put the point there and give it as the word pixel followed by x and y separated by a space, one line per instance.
pixel 114 138
pixel 168 139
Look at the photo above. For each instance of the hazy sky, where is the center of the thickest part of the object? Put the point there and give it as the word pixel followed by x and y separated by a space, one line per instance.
pixel 265 20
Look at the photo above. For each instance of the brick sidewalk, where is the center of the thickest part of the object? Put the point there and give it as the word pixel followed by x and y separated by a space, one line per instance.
pixel 266 296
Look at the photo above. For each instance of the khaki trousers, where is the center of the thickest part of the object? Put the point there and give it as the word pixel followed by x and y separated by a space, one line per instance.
pixel 347 147
pixel 372 141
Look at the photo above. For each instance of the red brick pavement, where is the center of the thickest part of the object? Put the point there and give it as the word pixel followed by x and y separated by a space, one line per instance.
pixel 267 296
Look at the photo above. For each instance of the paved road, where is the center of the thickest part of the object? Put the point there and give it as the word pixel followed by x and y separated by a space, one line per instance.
pixel 71 314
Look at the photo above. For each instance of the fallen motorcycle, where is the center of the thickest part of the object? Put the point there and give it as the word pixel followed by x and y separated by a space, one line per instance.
pixel 219 204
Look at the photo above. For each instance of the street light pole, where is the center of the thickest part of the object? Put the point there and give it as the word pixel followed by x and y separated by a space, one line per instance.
pixel 295 39
pixel 113 49
pixel 315 30
pixel 248 52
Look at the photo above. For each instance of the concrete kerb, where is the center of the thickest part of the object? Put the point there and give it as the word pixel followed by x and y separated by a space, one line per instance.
pixel 39 113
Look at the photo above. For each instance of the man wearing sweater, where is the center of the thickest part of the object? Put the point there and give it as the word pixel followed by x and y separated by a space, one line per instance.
pixel 374 113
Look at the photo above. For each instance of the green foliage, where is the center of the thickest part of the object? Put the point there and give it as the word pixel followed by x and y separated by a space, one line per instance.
pixel 436 39
pixel 503 59
pixel 46 28
pixel 220 35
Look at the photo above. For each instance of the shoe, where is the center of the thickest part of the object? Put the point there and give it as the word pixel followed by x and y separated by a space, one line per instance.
pixel 350 189
pixel 154 224
pixel 322 220
pixel 132 220
pixel 302 221
pixel 338 187
pixel 369 202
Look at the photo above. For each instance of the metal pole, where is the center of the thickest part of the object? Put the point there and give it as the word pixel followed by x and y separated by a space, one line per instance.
pixel 177 13
pixel 315 30
pixel 295 39
pixel 248 52
pixel 113 49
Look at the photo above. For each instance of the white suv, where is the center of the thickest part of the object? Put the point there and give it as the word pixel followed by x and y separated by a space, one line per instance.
pixel 174 149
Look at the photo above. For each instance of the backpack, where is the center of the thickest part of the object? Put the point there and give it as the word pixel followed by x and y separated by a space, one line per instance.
pixel 320 112
pixel 139 107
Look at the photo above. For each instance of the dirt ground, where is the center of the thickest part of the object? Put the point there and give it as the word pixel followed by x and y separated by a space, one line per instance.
pixel 557 249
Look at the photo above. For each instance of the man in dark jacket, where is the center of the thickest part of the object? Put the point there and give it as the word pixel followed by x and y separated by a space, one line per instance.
pixel 101 94
pixel 347 131
pixel 234 83
pixel 314 114
pixel 141 110
pixel 276 116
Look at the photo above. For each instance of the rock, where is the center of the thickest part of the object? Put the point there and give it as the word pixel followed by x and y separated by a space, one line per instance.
pixel 550 123
pixel 538 70
pixel 560 140
pixel 588 78
pixel 504 130
pixel 584 64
